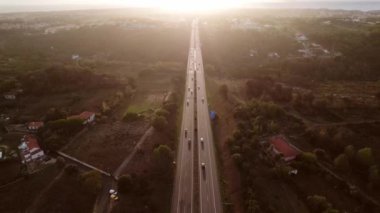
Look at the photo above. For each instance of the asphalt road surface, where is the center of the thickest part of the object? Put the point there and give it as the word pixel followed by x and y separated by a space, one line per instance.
pixel 196 112
pixel 182 200
pixel 209 196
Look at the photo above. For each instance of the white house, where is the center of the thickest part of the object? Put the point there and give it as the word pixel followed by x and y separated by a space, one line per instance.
pixel 29 149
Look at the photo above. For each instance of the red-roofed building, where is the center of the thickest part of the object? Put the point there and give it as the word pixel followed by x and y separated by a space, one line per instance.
pixel 87 117
pixel 30 149
pixel 280 146
pixel 35 125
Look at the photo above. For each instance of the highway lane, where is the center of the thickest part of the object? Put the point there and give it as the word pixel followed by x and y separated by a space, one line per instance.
pixel 209 196
pixel 182 200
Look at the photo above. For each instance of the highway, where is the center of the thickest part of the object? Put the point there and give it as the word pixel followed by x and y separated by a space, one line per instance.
pixel 209 196
pixel 195 111
pixel 183 197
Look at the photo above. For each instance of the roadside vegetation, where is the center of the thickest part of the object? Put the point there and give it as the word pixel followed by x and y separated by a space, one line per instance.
pixel 326 105
pixel 128 71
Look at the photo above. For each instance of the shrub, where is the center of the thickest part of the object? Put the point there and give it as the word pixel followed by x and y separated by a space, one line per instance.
pixel 341 162
pixel 91 181
pixel 364 157
pixel 318 203
pixel 159 123
pixel 125 184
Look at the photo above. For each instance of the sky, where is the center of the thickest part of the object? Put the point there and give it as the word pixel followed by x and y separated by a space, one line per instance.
pixel 141 2
pixel 177 5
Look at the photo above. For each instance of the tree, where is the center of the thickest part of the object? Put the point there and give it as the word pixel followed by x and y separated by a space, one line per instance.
pixel 163 156
pixel 318 203
pixel 308 157
pixel 374 175
pixel 159 123
pixel 341 162
pixel 341 138
pixel 130 116
pixel 54 114
pixel 307 161
pixel 321 154
pixel 91 181
pixel 162 112
pixel 66 127
pixel 364 157
pixel 125 183
pixel 53 142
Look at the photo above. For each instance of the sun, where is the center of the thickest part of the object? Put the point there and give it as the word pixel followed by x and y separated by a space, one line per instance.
pixel 182 5
pixel 197 5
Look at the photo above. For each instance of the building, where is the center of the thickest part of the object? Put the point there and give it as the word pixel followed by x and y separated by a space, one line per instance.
pixel 35 125
pixel 86 116
pixel 300 37
pixel 279 146
pixel 10 96
pixel 30 150
pixel 273 55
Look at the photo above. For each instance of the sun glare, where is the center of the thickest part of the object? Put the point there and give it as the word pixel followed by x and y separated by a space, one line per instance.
pixel 197 5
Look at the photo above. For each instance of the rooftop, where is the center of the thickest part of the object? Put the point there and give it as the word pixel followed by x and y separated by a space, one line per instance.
pixel 280 145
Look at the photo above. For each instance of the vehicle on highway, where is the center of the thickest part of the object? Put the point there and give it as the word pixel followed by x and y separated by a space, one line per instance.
pixel 203 100
pixel 199 87
pixel 185 133
pixel 113 194
pixel 203 165
pixel 114 197
pixel 187 102
pixel 189 143
pixel 188 89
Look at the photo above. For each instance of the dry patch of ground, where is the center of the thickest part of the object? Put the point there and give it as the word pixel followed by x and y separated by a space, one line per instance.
pixel 158 189
pixel 106 145
pixel 25 191
pixel 66 195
